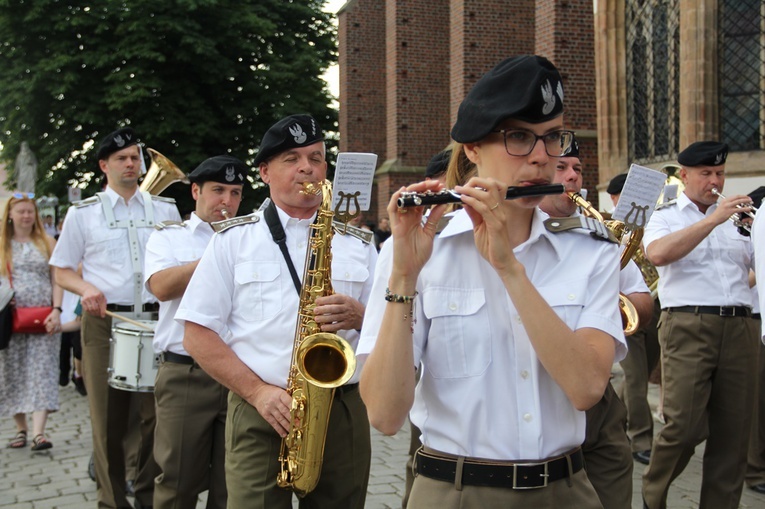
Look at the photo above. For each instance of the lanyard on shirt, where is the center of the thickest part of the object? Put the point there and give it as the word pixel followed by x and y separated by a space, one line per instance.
pixel 277 233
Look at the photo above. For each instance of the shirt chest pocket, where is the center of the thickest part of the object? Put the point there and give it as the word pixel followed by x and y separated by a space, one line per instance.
pixel 111 243
pixel 567 300
pixel 459 340
pixel 258 290
pixel 348 278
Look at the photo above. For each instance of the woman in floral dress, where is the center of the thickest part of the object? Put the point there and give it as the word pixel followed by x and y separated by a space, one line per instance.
pixel 28 367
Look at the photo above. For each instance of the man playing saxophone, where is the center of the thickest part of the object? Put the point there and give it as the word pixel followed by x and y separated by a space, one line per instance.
pixel 240 312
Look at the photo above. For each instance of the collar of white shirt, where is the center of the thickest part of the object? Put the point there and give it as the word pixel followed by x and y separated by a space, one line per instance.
pixel 116 198
pixel 683 201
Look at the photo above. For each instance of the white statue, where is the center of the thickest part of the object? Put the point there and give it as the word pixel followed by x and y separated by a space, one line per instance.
pixel 26 169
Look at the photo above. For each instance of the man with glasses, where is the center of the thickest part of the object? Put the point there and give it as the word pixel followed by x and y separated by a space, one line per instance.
pixel 108 234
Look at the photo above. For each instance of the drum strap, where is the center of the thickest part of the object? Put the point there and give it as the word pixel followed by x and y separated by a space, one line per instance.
pixel 136 256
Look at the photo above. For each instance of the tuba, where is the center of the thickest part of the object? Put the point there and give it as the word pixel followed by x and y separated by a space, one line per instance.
pixel 161 174
pixel 320 362
pixel 629 313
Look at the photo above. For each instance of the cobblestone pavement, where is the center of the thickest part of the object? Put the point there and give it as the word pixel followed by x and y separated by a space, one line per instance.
pixel 57 478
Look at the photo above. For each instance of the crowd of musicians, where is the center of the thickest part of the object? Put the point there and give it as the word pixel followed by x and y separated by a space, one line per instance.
pixel 492 326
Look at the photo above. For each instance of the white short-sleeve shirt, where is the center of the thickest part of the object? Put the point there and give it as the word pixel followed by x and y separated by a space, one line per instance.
pixel 631 280
pixel 714 273
pixel 174 246
pixel 758 241
pixel 242 290
pixel 103 251
pixel 483 392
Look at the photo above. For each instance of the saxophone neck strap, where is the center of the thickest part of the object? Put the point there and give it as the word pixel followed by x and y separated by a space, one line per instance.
pixel 277 233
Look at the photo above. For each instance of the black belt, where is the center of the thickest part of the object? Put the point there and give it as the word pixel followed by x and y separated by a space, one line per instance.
pixel 149 307
pixel 517 476
pixel 178 358
pixel 756 316
pixel 713 310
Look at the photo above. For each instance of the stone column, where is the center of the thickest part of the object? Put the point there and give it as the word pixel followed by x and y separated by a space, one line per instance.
pixel 699 117
pixel 611 89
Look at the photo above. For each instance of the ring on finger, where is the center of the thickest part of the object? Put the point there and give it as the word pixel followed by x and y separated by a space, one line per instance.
pixel 495 206
pixel 432 224
pixel 402 210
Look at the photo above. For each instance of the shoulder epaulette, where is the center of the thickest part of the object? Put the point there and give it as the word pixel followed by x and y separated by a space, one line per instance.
pixel 88 201
pixel 363 235
pixel 166 224
pixel 220 226
pixel 666 204
pixel 581 224
pixel 165 199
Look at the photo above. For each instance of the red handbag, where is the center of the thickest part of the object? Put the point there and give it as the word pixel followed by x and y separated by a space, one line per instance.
pixel 30 320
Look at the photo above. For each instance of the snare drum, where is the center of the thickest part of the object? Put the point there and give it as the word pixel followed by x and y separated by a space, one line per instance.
pixel 132 361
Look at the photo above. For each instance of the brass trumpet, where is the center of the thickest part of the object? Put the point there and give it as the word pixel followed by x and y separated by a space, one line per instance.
pixel 736 218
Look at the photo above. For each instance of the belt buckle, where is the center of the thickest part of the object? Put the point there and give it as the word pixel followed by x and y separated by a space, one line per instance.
pixel 727 311
pixel 545 476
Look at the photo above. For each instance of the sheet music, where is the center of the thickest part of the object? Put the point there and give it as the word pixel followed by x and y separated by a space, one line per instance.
pixel 354 174
pixel 638 198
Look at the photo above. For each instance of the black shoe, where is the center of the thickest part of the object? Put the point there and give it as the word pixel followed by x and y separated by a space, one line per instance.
pixel 643 457
pixel 759 488
pixel 92 468
pixel 79 385
pixel 63 379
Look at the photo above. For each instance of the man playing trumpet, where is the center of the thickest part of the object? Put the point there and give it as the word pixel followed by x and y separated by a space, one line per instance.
pixel 707 335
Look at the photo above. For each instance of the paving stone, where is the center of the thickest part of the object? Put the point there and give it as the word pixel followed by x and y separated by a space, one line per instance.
pixel 57 478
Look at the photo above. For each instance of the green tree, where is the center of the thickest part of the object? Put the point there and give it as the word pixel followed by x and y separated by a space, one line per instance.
pixel 194 78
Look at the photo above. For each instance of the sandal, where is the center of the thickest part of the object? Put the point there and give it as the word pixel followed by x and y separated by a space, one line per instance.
pixel 40 443
pixel 19 441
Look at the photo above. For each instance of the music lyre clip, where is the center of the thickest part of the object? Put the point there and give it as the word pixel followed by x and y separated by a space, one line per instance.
pixel 345 216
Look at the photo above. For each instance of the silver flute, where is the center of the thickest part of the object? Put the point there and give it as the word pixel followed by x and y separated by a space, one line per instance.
pixel 736 217
pixel 412 199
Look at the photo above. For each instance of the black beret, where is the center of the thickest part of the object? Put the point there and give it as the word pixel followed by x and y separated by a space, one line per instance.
pixel 116 141
pixel 290 132
pixel 617 184
pixel 527 88
pixel 223 169
pixel 704 153
pixel 438 164
pixel 573 150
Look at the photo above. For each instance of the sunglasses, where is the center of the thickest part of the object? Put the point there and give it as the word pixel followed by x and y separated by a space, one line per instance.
pixel 21 196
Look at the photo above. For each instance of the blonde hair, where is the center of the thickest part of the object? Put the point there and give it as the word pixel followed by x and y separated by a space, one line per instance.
pixel 39 237
pixel 460 168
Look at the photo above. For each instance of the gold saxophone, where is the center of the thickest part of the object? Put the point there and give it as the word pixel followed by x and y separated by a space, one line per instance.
pixel 321 361
pixel 628 311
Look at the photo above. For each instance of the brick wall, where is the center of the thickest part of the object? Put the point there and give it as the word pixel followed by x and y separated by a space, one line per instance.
pixel 433 52
pixel 361 45
pixel 566 36
pixel 417 81
pixel 484 32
